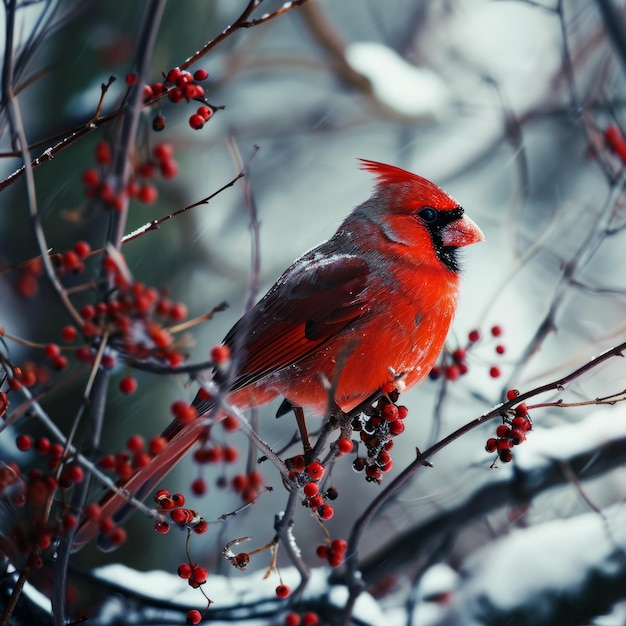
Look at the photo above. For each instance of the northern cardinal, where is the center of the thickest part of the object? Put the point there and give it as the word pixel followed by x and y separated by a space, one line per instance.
pixel 378 298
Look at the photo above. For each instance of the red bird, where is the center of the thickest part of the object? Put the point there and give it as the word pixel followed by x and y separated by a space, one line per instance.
pixel 378 298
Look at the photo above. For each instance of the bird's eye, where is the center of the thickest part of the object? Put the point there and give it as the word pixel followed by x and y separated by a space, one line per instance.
pixel 428 214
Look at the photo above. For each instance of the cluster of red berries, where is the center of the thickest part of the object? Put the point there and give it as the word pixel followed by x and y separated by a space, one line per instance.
pixel 173 505
pixel 36 491
pixel 179 85
pixel 512 431
pixel 615 141
pixel 137 455
pixel 334 551
pixel 248 486
pixel 139 187
pixel 455 363
pixel 310 618
pixel 129 318
pixel 27 279
pixel 28 374
pixel 72 261
pixel 308 476
pixel 193 574
pixel 377 431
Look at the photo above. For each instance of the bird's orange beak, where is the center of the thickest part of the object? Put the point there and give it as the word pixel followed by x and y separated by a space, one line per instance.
pixel 463 232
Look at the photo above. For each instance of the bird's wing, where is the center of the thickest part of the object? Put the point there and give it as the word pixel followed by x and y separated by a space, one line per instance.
pixel 313 301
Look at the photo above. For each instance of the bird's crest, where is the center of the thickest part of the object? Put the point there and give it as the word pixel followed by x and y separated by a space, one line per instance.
pixel 418 186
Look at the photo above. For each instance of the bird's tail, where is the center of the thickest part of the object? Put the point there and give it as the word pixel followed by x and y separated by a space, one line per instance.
pixel 116 504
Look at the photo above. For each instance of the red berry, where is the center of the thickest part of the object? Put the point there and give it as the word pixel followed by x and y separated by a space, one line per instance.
pixel 230 424
pixel 310 489
pixel 178 499
pixel 92 511
pixel 51 350
pixel 344 445
pixel 158 123
pixel 59 362
pixel 505 456
pixel 322 551
pixel 168 169
pixel 148 93
pixel 298 463
pixel 205 112
pixel 90 177
pixel 396 428
pixel 194 616
pixel 196 121
pixel 282 591
pixel 517 436
pixel 496 331
pixel 522 422
pixel 199 487
pixel 388 387
pixel 491 444
pixel 494 372
pixel 315 502
pixel 178 312
pixel 359 464
pixel 176 94
pixel 459 355
pixel 199 575
pixel 183 411
pixel 131 78
pixel 373 471
pixel 521 409
pixel 452 372
pixel 390 412
pixel 103 153
pixel 107 462
pixel 116 537
pixel 315 470
pixel 473 336
pixel 339 545
pixel 241 560
pixel 161 527
pixel 292 619
pixel 146 170
pixel 147 194
pixel 135 443
pixel 503 430
pixel 71 262
pixel 157 445
pixel 23 442
pixel 200 74
pixel 69 333
pixel 128 385
pixel 500 349
pixel 310 619
pixel 173 75
pixel 511 394
pixel 82 249
pixel 325 511
pixel 163 151
pixel 220 354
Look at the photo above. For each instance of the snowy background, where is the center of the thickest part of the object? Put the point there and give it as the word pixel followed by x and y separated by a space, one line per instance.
pixel 501 103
